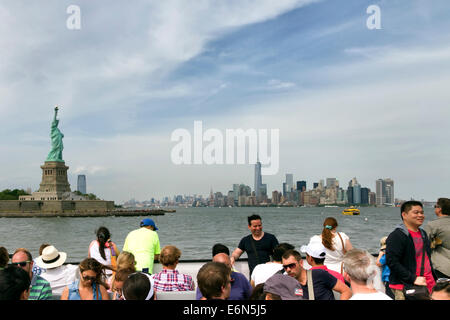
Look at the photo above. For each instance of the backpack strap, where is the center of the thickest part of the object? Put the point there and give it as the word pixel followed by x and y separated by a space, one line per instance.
pixel 310 285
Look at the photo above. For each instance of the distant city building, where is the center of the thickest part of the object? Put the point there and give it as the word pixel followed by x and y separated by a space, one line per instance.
pixel 385 192
pixel 331 182
pixel 81 183
pixel 365 195
pixel 289 182
pixel 350 195
pixel 357 193
pixel 301 185
pixel 258 180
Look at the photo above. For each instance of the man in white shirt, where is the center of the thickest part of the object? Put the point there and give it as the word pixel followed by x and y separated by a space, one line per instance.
pixel 58 275
pixel 264 271
pixel 364 276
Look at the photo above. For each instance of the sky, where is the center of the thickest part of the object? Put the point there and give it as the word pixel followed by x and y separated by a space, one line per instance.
pixel 348 100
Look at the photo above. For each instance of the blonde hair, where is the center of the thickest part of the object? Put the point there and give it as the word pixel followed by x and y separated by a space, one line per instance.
pixel 126 260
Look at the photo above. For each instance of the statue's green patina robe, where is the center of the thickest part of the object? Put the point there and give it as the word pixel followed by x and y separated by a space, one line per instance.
pixel 55 153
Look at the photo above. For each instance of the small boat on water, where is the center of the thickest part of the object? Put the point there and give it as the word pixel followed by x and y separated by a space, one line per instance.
pixel 352 211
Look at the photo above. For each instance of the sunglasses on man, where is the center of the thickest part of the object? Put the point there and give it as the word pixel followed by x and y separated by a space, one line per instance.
pixel 290 266
pixel 21 263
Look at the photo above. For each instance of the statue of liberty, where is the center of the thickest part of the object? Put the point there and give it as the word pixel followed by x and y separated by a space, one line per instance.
pixel 55 153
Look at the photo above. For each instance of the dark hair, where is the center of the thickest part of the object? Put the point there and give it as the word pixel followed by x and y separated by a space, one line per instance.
pixel 103 236
pixel 327 236
pixel 444 204
pixel 4 257
pixel 280 249
pixel 273 296
pixel 258 292
pixel 97 267
pixel 211 277
pixel 137 286
pixel 407 205
pixel 293 253
pixel 442 286
pixel 220 248
pixel 13 282
pixel 318 261
pixel 253 217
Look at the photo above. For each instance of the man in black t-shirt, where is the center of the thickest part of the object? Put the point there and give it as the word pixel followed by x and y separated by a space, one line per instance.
pixel 259 245
pixel 323 282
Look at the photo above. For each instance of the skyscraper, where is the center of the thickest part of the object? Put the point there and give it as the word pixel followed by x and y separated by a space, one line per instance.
pixel 81 183
pixel 301 185
pixel 258 180
pixel 357 193
pixel 331 182
pixel 289 182
pixel 389 189
pixel 385 191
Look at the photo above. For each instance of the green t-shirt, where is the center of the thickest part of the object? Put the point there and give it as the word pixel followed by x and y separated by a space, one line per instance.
pixel 143 243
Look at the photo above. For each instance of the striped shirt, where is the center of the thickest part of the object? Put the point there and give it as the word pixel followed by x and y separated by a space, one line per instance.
pixel 172 280
pixel 40 289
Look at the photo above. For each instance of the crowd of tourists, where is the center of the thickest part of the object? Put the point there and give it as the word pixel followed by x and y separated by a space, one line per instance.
pixel 413 264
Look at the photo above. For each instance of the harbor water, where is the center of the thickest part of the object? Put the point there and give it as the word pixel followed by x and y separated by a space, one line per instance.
pixel 196 230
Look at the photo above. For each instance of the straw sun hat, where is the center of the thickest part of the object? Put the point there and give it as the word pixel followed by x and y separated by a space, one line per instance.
pixel 51 258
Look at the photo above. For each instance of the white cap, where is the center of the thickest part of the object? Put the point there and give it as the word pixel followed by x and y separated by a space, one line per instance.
pixel 314 249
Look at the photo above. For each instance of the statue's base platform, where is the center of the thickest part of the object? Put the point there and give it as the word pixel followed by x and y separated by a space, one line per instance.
pixel 86 208
pixel 55 206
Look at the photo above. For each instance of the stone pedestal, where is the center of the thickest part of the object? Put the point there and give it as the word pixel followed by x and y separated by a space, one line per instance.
pixel 54 182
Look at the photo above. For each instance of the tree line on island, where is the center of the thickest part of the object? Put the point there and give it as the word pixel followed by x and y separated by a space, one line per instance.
pixel 9 194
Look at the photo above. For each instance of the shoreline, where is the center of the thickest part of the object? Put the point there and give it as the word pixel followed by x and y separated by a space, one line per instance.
pixel 113 213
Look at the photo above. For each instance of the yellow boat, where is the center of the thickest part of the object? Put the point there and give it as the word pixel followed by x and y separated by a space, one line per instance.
pixel 352 211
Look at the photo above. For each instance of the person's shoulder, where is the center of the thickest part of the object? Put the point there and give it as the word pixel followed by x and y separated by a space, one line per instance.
pixel 238 275
pixel 343 235
pixel 42 280
pixel 270 236
pixel 246 238
pixel 320 273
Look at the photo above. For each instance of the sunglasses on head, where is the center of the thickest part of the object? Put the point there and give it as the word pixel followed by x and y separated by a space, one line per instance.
pixel 442 280
pixel 21 263
pixel 291 266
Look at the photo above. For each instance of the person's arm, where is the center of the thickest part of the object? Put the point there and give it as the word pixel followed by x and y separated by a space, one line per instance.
pixel 236 255
pixel 380 255
pixel 157 249
pixel 105 295
pixel 348 245
pixel 116 250
pixel 65 294
pixel 346 292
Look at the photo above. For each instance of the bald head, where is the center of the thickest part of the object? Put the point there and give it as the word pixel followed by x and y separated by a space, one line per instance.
pixel 222 258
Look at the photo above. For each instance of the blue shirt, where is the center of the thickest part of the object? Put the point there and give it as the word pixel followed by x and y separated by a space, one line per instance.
pixel 240 288
pixel 74 294
pixel 385 271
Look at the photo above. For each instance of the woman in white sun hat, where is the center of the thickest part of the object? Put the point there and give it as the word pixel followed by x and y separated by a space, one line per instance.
pixel 58 274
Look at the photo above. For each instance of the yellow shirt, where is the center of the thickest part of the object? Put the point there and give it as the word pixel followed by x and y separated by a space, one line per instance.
pixel 143 243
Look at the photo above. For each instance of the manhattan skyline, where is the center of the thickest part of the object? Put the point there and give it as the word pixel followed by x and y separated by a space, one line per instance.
pixel 348 101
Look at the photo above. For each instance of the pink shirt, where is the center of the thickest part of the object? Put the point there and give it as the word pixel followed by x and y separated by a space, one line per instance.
pixel 335 274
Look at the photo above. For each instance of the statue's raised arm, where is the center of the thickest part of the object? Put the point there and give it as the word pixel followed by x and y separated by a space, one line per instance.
pixel 56 136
